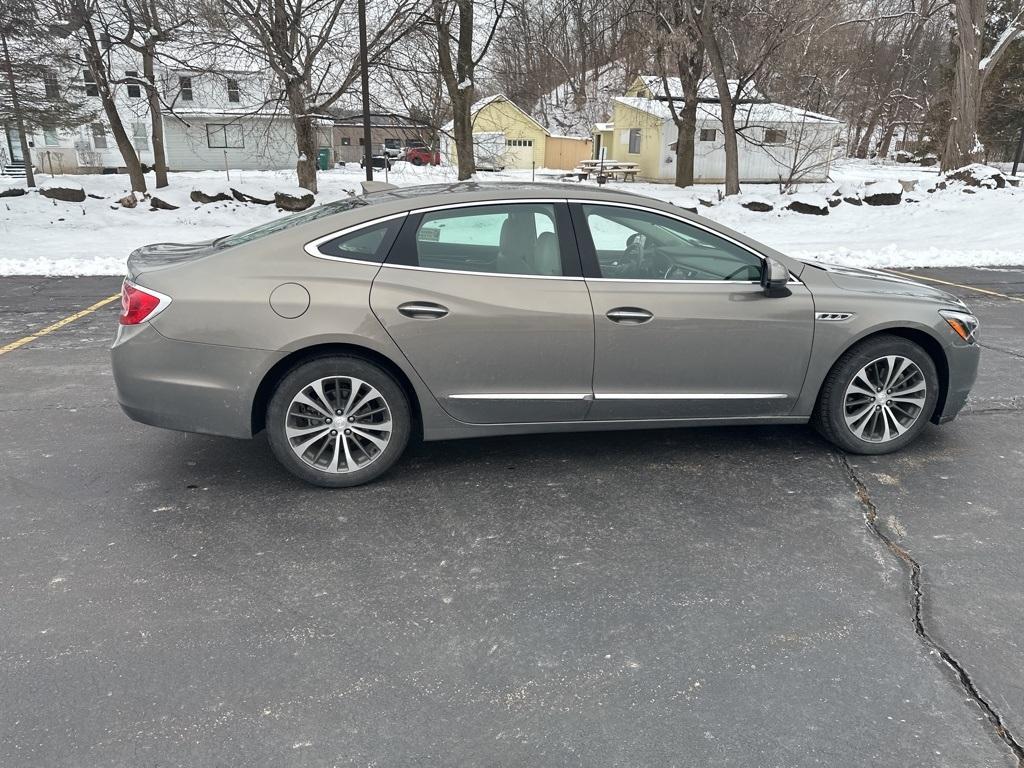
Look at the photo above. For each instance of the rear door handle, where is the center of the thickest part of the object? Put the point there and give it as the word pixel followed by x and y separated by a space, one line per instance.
pixel 423 310
pixel 629 315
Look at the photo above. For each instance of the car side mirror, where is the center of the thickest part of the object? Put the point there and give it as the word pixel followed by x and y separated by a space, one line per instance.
pixel 774 278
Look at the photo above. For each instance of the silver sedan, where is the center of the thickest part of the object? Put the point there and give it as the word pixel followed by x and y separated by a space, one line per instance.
pixel 483 309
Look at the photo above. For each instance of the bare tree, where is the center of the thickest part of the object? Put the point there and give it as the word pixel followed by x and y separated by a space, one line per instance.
pixel 971 74
pixel 458 57
pixel 680 49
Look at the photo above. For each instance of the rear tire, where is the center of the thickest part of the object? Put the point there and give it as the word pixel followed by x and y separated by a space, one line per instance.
pixel 338 421
pixel 878 397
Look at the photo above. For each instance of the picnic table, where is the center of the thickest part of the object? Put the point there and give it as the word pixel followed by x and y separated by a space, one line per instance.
pixel 614 169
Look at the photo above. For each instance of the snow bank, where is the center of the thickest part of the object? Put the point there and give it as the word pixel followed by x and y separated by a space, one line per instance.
pixel 884 187
pixel 60 182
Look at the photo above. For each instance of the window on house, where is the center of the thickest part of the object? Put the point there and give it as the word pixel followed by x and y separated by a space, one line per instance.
pixel 185 88
pixel 518 142
pixel 50 137
pixel 774 136
pixel 134 90
pixel 361 144
pixel 634 141
pixel 708 134
pixel 234 94
pixel 140 136
pixel 224 136
pixel 91 89
pixel 105 41
pixel 50 85
pixel 99 136
pixel 346 141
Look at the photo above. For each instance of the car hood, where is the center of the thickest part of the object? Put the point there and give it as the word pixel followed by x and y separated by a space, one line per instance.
pixel 877 281
pixel 150 257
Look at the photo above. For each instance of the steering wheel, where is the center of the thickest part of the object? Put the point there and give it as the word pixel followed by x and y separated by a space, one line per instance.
pixel 733 274
pixel 676 268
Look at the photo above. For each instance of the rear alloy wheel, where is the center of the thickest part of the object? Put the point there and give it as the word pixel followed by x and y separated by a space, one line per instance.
pixel 878 397
pixel 338 421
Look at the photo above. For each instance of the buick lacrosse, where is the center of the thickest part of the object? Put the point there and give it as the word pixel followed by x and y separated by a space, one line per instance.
pixel 472 309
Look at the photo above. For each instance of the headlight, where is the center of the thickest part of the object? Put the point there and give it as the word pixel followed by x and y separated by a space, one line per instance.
pixel 964 324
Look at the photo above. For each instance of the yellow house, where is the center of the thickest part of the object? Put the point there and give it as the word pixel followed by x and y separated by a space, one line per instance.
pixel 636 135
pixel 504 136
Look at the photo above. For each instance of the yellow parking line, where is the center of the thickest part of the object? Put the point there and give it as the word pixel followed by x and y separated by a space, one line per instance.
pixel 915 276
pixel 58 325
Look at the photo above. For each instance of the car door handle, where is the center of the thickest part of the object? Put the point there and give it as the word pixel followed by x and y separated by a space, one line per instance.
pixel 629 315
pixel 422 310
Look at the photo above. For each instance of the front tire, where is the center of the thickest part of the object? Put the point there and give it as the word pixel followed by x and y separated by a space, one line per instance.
pixel 878 397
pixel 338 421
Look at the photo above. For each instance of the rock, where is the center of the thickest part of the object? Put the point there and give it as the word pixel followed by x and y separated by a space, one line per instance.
pixel 928 160
pixel 707 202
pixel 887 192
pixel 813 205
pixel 978 175
pixel 969 191
pixel 294 199
pixel 909 185
pixel 128 201
pixel 156 204
pixel 242 197
pixel 198 196
pixel 902 156
pixel 833 201
pixel 68 194
pixel 848 193
pixel 756 203
pixel 12 192
pixel 853 200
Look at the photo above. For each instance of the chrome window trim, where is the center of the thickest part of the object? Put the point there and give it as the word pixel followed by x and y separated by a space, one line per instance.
pixel 312 247
pixel 478 273
pixel 522 396
pixel 793 279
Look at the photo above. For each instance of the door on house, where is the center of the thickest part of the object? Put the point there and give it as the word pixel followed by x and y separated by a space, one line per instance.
pixel 519 153
pixel 14 145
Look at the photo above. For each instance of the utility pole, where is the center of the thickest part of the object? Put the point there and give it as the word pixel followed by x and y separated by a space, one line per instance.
pixel 1020 151
pixel 364 75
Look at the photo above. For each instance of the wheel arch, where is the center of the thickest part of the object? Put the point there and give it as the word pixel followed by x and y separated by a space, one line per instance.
pixel 931 345
pixel 280 369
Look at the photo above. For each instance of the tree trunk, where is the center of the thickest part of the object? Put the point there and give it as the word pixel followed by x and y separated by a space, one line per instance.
pixel 97 67
pixel 732 161
pixel 887 134
pixel 19 120
pixel 462 129
pixel 962 145
pixel 458 79
pixel 864 146
pixel 156 118
pixel 305 137
pixel 686 131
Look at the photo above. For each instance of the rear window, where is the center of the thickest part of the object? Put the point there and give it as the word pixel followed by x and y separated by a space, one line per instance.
pixel 287 222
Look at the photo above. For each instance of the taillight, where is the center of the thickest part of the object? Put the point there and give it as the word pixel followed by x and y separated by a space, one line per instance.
pixel 139 304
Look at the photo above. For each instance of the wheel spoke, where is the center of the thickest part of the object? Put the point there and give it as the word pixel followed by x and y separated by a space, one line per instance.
pixel 885 398
pixel 301 447
pixel 384 426
pixel 379 442
pixel 307 401
pixel 371 395
pixel 294 432
pixel 318 388
pixel 333 465
pixel 350 462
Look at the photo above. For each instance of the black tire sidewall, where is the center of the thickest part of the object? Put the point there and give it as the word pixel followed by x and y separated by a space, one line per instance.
pixel 338 365
pixel 832 421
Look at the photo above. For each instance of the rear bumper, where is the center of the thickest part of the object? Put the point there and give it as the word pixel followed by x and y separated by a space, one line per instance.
pixel 963 370
pixel 186 386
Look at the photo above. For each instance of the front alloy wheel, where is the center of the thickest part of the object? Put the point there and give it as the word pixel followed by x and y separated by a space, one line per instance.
pixel 878 397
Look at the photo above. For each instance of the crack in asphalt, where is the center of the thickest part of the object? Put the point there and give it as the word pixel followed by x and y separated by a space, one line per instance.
pixel 962 677
pixel 1010 352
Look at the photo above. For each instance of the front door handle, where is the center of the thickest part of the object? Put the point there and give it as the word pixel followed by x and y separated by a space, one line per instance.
pixel 629 315
pixel 423 310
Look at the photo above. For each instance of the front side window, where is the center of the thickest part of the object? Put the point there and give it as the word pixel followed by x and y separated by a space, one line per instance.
pixel 515 239
pixel 224 136
pixel 185 88
pixel 634 141
pixel 639 245
pixel 367 244
pixel 134 90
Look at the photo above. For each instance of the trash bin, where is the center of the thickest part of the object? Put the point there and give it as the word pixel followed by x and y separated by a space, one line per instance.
pixel 323 158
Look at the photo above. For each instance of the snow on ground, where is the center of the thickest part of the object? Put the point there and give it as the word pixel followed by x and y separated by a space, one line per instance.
pixel 945 228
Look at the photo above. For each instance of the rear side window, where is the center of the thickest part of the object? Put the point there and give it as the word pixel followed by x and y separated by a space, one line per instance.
pixel 367 244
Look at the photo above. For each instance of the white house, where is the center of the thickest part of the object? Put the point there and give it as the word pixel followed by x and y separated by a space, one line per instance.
pixel 777 142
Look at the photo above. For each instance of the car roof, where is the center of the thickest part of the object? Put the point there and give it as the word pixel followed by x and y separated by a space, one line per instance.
pixel 482 191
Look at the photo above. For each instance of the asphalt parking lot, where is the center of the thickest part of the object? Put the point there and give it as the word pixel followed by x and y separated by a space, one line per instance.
pixel 740 597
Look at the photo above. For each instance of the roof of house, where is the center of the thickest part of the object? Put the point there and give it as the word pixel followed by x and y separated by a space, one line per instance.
pixel 487 101
pixel 746 113
pixel 707 90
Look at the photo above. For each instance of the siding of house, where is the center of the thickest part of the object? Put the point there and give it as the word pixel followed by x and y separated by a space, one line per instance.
pixel 626 119
pixel 565 152
pixel 267 144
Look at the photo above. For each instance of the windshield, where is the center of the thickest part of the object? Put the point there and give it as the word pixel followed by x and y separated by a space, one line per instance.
pixel 287 222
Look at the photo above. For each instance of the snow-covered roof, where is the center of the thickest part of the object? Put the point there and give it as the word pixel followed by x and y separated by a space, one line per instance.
pixel 746 114
pixel 487 100
pixel 706 90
